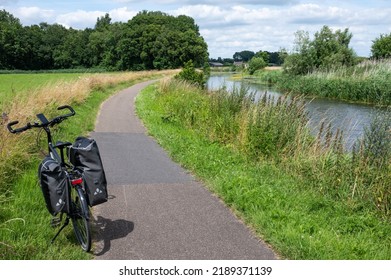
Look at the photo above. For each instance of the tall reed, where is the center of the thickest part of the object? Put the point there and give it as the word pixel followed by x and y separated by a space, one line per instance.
pixel 259 128
pixel 277 130
pixel 369 82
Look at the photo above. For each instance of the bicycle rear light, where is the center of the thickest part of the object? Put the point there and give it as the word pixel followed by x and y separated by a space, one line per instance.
pixel 77 181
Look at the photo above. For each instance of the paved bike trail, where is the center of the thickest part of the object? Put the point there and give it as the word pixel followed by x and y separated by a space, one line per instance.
pixel 157 210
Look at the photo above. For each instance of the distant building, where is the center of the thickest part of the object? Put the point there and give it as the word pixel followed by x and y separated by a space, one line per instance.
pixel 216 64
pixel 240 64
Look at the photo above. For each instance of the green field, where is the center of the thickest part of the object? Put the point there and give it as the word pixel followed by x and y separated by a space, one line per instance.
pixel 12 85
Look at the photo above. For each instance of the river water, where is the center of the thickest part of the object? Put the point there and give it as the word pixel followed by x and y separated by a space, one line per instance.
pixel 348 117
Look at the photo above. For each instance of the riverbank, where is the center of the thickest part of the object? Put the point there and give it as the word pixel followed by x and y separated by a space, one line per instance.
pixel 303 197
pixel 368 82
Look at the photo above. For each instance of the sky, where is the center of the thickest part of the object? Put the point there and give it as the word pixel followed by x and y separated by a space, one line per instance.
pixel 228 26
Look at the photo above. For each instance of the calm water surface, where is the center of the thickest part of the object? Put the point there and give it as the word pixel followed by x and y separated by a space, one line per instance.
pixel 350 118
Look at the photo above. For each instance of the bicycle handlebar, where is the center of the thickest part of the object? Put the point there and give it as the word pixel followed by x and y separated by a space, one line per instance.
pixel 72 113
pixel 17 130
pixel 46 123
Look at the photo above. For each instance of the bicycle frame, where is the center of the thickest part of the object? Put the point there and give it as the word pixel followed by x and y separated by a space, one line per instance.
pixel 78 207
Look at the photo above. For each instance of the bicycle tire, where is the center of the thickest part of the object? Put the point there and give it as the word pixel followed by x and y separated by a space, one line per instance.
pixel 81 218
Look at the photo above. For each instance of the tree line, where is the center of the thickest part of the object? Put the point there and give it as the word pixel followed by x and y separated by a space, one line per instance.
pixel 326 51
pixel 150 40
pixel 273 58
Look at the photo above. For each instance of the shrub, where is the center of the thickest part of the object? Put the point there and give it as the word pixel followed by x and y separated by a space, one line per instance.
pixel 191 75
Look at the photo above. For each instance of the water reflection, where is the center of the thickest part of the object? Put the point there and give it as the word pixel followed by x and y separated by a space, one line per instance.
pixel 348 117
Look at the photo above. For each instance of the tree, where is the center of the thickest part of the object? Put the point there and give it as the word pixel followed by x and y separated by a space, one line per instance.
pixel 162 41
pixel 301 61
pixel 243 56
pixel 327 50
pixel 73 53
pixel 11 45
pixel 190 74
pixel 332 49
pixel 381 47
pixel 264 55
pixel 256 63
pixel 151 40
pixel 103 22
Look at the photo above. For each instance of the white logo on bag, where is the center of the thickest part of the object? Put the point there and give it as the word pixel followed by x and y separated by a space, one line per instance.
pixel 59 203
pixel 97 191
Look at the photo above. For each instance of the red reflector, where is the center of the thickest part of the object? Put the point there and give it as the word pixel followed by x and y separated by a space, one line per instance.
pixel 77 181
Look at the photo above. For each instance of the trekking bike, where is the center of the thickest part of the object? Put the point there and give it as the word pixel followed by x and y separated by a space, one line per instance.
pixel 78 209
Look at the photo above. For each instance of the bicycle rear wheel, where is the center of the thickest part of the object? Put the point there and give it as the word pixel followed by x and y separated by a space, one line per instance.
pixel 81 218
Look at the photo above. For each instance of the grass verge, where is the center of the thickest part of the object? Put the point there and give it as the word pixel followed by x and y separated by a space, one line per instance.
pixel 281 204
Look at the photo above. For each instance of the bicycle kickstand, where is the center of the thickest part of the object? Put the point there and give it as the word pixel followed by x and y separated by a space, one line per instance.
pixel 63 226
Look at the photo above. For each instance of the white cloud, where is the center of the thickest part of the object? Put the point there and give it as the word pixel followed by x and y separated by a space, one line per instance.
pixel 122 14
pixel 236 28
pixel 34 15
pixel 82 19
pixel 79 19
pixel 217 2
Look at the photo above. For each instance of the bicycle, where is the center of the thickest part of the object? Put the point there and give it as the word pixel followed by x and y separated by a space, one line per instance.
pixel 78 211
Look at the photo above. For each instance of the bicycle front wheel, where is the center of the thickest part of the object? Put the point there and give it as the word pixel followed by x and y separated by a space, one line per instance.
pixel 81 218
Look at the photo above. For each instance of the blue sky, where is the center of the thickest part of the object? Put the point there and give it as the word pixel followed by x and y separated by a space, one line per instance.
pixel 227 26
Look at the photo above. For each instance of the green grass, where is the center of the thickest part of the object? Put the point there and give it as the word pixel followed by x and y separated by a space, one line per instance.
pixel 277 201
pixel 16 84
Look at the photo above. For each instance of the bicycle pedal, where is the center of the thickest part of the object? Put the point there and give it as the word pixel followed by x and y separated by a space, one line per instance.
pixel 55 222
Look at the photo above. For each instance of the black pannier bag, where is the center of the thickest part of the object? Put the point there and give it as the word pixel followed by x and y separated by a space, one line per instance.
pixel 54 185
pixel 84 154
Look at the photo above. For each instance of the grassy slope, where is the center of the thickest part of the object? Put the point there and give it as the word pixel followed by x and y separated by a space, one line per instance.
pixel 282 208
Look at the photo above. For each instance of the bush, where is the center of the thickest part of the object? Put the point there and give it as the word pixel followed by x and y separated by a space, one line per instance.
pixel 256 63
pixel 191 75
pixel 381 47
pixel 328 50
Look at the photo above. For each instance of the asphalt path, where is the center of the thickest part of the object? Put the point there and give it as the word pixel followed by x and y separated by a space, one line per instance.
pixel 156 209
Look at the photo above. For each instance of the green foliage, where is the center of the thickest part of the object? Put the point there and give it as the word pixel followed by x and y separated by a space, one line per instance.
pixel 328 50
pixel 256 63
pixel 151 40
pixel 264 55
pixel 243 56
pixel 381 47
pixel 191 75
